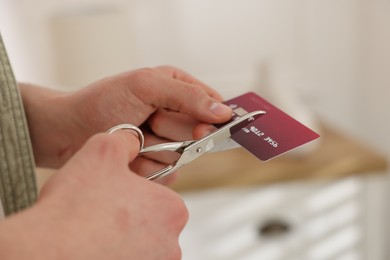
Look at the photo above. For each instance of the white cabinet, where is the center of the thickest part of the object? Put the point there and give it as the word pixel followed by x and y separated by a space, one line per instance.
pixel 316 220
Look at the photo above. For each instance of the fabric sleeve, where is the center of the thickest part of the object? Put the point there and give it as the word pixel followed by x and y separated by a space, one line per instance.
pixel 17 169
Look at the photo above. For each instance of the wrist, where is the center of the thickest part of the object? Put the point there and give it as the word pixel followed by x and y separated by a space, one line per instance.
pixel 48 124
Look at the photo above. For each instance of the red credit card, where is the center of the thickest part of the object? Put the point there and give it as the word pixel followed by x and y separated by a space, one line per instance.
pixel 270 135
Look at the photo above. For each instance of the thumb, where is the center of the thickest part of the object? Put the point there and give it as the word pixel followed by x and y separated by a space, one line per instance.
pixel 102 154
pixel 106 152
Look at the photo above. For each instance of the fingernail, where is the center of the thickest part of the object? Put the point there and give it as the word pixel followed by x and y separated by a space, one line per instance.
pixel 220 109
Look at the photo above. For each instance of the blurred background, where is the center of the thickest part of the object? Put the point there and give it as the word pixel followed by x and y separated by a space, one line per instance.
pixel 325 62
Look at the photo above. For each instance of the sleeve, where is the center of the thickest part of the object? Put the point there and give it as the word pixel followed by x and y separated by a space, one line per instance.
pixel 17 169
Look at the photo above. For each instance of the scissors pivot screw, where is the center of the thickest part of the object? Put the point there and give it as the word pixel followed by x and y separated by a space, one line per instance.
pixel 199 150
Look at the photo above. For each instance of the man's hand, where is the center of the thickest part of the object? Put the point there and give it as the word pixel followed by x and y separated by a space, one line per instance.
pixel 96 208
pixel 167 103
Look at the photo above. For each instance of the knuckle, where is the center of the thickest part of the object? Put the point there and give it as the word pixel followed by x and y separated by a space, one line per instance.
pixel 105 145
pixel 166 67
pixel 144 80
pixel 142 74
pixel 180 213
pixel 98 140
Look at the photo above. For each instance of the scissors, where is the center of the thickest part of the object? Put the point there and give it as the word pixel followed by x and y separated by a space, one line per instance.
pixel 189 150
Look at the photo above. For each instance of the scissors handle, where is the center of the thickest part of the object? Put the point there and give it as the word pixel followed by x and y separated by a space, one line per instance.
pixel 163 172
pixel 174 147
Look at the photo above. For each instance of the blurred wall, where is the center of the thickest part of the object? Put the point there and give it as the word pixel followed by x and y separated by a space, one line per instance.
pixel 374 105
pixel 326 56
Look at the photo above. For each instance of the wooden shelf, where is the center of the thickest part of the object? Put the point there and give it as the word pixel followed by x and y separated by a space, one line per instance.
pixel 336 156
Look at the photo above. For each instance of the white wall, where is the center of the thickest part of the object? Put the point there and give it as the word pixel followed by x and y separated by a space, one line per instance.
pixel 329 55
pixel 374 105
pixel 305 47
pixel 332 53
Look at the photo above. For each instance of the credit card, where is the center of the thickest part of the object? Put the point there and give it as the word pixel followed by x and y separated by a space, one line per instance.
pixel 272 134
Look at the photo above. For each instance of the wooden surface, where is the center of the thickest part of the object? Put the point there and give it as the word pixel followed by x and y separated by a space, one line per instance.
pixel 335 156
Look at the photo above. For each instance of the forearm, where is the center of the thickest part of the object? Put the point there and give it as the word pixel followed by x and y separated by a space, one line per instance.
pixel 48 125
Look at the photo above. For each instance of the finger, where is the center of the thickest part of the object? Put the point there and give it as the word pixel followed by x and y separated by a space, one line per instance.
pixel 194 101
pixel 178 127
pixel 162 91
pixel 165 157
pixel 202 130
pixel 186 77
pixel 172 125
pixel 104 152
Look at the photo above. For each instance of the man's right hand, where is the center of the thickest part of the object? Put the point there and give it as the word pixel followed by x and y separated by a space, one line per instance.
pixel 96 208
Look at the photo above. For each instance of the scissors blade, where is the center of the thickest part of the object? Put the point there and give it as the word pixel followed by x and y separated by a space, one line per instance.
pixel 227 145
pixel 173 146
pixel 216 138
